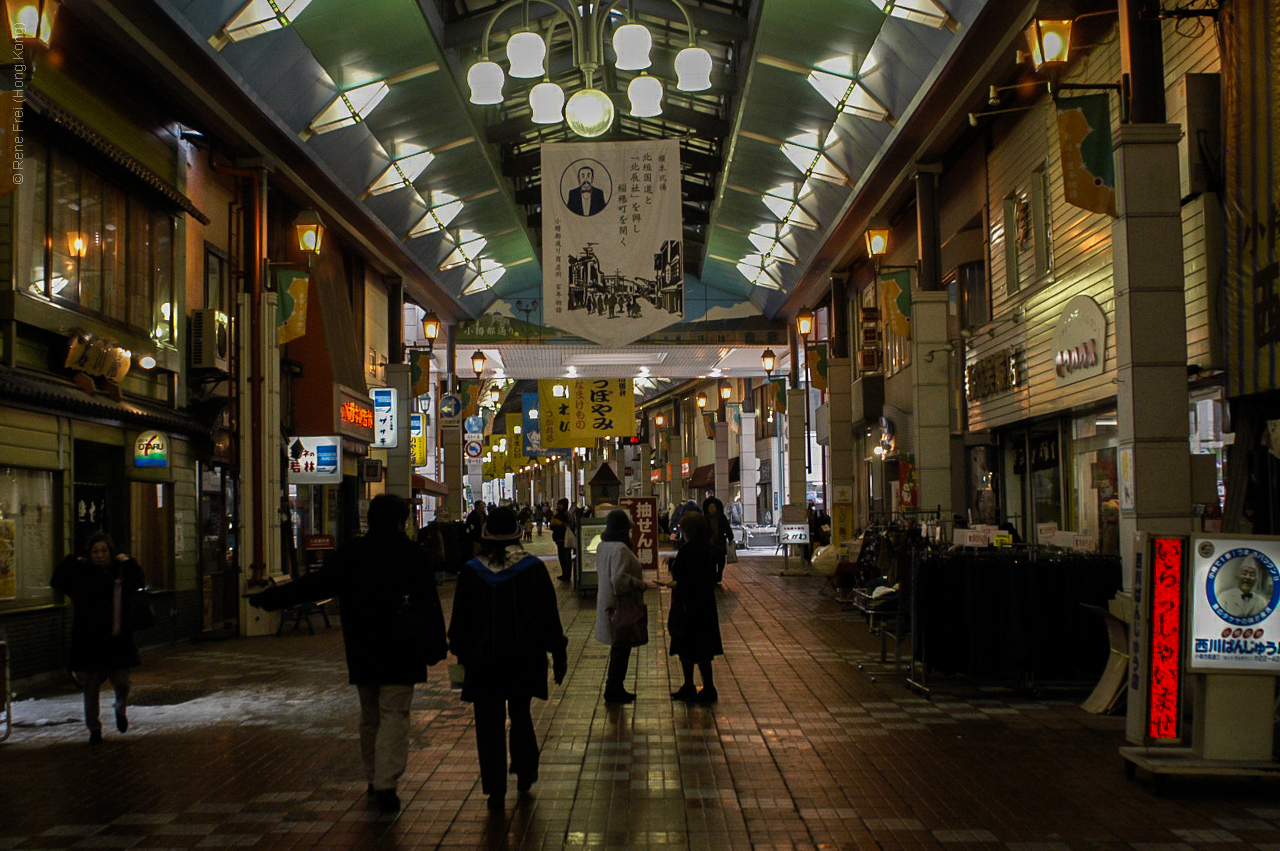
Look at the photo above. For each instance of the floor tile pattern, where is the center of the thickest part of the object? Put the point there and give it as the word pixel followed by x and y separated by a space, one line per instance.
pixel 814 744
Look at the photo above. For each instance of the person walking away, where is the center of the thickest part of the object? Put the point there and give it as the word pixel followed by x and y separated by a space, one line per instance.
pixel 375 577
pixel 526 523
pixel 475 524
pixel 101 585
pixel 539 517
pixel 720 532
pixel 694 622
pixel 562 523
pixel 620 573
pixel 505 621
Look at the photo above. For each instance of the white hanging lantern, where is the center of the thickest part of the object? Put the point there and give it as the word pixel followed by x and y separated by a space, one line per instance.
pixel 526 52
pixel 589 112
pixel 693 70
pixel 486 79
pixel 645 94
pixel 632 43
pixel 547 102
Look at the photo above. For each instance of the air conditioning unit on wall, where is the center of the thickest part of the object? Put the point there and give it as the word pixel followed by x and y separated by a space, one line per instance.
pixel 210 340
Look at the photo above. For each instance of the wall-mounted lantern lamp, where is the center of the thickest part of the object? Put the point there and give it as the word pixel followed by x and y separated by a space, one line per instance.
pixel 701 399
pixel 310 231
pixel 430 328
pixel 1050 43
pixel 726 390
pixel 477 362
pixel 768 360
pixel 32 20
pixel 660 420
pixel 877 242
pixel 804 322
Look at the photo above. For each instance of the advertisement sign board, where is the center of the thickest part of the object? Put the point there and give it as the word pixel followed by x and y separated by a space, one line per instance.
pixel 1234 597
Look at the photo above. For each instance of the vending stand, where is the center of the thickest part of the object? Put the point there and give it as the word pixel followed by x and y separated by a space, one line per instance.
pixel 1206 629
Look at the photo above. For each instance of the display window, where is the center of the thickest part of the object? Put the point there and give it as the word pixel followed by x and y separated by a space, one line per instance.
pixel 28 532
pixel 1096 479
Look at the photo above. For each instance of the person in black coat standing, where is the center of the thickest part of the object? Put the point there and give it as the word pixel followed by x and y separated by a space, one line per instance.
pixel 694 622
pixel 562 523
pixel 506 620
pixel 375 577
pixel 720 532
pixel 100 585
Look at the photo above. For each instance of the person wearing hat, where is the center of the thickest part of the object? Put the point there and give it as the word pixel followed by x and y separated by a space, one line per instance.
pixel 619 572
pixel 506 619
pixel 372 575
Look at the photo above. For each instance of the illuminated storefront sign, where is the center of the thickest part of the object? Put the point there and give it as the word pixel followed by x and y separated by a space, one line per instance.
pixel 315 460
pixel 996 373
pixel 151 449
pixel 1236 592
pixel 1164 697
pixel 385 418
pixel 353 414
pixel 1079 341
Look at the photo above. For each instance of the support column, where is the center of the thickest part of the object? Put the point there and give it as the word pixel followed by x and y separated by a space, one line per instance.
pixel 840 447
pixel 748 467
pixel 797 439
pixel 1151 337
pixel 399 473
pixel 931 358
pixel 722 458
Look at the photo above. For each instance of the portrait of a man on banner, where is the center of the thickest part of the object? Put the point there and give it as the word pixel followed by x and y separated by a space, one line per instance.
pixel 612 239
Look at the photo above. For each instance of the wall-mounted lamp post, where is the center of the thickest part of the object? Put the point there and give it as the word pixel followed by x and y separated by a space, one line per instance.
pixel 768 360
pixel 477 363
pixel 804 327
pixel 310 232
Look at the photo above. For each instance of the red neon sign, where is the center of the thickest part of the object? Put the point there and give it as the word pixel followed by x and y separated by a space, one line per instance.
pixel 1165 694
pixel 356 414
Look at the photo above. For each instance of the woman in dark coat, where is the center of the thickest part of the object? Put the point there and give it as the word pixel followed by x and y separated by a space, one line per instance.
pixel 694 622
pixel 371 576
pixel 100 585
pixel 506 619
pixel 720 532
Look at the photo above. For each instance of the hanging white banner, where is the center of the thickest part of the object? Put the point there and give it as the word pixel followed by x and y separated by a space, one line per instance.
pixel 612 239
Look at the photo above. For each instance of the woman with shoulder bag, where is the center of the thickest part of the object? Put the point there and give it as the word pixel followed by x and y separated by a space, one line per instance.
pixel 102 586
pixel 622 584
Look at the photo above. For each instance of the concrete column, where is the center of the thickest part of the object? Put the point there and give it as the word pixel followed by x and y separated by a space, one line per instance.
pixel 797 441
pixel 749 468
pixel 931 357
pixel 722 459
pixel 1151 337
pixel 451 442
pixel 399 473
pixel 840 403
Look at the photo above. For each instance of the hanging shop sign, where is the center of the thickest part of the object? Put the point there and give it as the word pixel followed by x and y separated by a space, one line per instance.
pixel 93 357
pixel 417 440
pixel 1235 594
pixel 371 470
pixel 1079 341
pixel 385 418
pixel 992 375
pixel 151 449
pixel 590 409
pixel 315 460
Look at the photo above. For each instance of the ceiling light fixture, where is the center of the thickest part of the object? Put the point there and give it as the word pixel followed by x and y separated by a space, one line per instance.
pixel 847 93
pixel 784 202
pixel 466 250
pixel 589 112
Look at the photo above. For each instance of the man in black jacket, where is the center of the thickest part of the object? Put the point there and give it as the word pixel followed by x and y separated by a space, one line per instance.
pixel 562 523
pixel 383 582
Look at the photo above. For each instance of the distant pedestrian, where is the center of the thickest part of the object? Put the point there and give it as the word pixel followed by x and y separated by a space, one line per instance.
pixel 562 524
pixel 101 585
pixel 694 622
pixel 506 620
pixel 374 577
pixel 720 532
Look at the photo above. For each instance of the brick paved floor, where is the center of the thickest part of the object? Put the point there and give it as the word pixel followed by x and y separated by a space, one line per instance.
pixel 251 743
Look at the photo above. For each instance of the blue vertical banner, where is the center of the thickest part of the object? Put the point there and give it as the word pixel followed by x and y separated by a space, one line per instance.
pixel 531 426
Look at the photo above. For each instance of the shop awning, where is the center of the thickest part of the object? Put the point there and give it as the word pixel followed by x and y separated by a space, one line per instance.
pixel 429 486
pixel 705 476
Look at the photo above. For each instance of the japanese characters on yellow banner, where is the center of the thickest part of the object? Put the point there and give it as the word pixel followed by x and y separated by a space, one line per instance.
pixel 584 410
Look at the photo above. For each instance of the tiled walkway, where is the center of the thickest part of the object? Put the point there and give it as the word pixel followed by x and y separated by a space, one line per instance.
pixel 252 743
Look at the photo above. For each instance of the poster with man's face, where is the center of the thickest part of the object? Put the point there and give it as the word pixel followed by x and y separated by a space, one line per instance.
pixel 1235 594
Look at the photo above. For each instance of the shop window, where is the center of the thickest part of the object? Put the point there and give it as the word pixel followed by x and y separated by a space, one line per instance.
pixel 973 294
pixel 1040 239
pixel 1094 438
pixel 1015 220
pixel 766 405
pixel 28 531
pixel 216 279
pixel 89 245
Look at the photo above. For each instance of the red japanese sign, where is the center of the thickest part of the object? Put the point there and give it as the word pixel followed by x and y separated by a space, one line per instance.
pixel 1164 698
pixel 644 527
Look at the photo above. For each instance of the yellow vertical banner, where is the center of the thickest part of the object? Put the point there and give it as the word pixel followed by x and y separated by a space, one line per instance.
pixel 291 309
pixel 515 442
pixel 592 408
pixel 895 288
pixel 417 440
